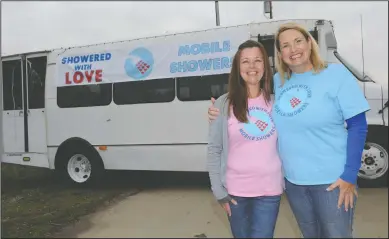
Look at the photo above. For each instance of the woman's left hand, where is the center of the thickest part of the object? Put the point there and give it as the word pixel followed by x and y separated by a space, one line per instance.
pixel 346 193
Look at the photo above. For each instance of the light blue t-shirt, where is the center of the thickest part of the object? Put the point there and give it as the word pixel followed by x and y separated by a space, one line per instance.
pixel 309 113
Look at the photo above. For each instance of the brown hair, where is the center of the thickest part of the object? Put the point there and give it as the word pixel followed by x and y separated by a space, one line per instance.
pixel 237 89
pixel 283 69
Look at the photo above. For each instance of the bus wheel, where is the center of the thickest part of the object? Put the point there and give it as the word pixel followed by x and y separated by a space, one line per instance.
pixel 81 165
pixel 374 169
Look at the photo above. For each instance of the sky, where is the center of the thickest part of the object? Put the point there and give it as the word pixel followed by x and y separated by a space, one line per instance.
pixel 33 26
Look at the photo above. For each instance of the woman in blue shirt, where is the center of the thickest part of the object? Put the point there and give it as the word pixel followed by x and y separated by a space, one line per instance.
pixel 320 156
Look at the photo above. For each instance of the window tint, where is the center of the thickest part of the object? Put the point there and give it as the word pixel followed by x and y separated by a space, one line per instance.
pixel 12 85
pixel 36 70
pixel 268 43
pixel 315 35
pixel 201 87
pixel 84 95
pixel 147 91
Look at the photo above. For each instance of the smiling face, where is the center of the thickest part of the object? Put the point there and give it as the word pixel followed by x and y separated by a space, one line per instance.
pixel 251 65
pixel 295 50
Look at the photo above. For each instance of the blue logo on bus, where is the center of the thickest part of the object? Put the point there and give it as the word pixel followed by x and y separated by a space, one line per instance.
pixel 140 63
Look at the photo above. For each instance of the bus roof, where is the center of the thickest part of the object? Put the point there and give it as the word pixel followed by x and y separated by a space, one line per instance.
pixel 169 34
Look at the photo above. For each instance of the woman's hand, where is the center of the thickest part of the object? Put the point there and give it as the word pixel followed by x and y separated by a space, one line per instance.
pixel 346 193
pixel 213 112
pixel 226 206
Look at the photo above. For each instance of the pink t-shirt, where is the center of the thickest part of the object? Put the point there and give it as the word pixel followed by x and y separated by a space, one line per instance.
pixel 253 166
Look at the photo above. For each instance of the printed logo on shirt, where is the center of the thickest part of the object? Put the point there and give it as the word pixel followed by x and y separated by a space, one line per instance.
pixel 293 100
pixel 260 125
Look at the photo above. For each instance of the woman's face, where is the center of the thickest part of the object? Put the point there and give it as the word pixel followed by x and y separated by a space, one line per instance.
pixel 295 49
pixel 251 65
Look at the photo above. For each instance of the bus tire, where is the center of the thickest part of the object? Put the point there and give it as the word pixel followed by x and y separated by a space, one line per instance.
pixel 374 169
pixel 79 163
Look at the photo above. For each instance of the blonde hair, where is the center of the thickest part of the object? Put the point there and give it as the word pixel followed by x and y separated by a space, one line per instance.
pixel 282 68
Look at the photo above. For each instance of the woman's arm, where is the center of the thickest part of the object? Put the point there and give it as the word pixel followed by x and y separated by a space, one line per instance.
pixel 215 147
pixel 353 106
pixel 357 132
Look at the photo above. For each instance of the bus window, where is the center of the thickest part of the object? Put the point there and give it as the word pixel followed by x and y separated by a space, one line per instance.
pixel 84 95
pixel 36 70
pixel 197 88
pixel 147 91
pixel 12 85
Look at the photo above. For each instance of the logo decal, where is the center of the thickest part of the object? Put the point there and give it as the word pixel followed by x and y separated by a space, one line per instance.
pixel 260 125
pixel 293 100
pixel 140 63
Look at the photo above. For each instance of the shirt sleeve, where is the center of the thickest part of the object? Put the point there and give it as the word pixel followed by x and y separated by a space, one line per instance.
pixel 214 154
pixel 349 95
pixel 357 132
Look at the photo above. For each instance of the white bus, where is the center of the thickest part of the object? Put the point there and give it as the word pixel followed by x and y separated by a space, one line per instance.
pixel 142 104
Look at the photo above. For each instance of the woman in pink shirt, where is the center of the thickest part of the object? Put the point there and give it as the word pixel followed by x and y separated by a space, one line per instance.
pixel 244 167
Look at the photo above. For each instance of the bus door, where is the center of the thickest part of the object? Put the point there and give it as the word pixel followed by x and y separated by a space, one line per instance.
pixel 24 125
pixel 35 116
pixel 13 114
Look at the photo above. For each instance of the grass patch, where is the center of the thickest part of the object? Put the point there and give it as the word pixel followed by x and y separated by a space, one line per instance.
pixel 35 204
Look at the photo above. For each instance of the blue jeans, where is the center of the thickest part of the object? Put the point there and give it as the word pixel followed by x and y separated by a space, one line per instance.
pixel 316 211
pixel 254 217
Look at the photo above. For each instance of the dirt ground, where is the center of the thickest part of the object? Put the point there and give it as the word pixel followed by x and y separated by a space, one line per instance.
pixel 36 204
pixel 190 211
pixel 142 204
